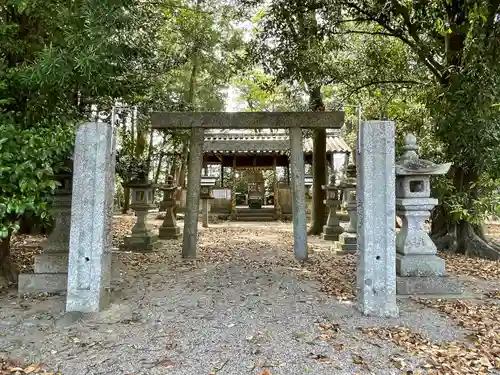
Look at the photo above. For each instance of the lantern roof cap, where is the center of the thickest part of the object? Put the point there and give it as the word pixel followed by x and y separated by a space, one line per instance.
pixel 410 164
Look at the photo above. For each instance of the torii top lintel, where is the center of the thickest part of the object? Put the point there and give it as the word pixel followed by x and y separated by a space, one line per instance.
pixel 247 120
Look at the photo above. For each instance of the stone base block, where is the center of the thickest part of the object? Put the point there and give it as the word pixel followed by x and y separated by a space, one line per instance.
pixel 432 285
pixel 51 263
pixel 347 244
pixel 332 233
pixel 139 244
pixel 42 283
pixel 420 265
pixel 171 233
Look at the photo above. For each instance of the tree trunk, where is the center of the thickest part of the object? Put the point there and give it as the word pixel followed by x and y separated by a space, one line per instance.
pixel 181 182
pixel 126 200
pixel 7 270
pixel 457 235
pixel 319 166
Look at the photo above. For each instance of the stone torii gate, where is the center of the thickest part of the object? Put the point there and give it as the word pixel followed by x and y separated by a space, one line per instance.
pixel 199 121
pixel 89 264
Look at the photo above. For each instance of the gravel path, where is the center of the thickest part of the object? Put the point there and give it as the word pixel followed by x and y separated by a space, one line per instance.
pixel 243 308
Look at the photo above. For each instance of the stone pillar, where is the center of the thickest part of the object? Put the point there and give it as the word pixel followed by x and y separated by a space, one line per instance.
pixel 51 266
pixel 277 206
pixel 141 239
pixel 376 265
pixel 332 229
pixel 169 229
pixel 190 235
pixel 347 243
pixel 298 195
pixel 419 269
pixel 89 266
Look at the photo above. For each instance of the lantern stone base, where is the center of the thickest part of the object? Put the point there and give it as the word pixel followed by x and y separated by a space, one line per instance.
pixel 42 283
pixel 424 274
pixel 347 244
pixel 420 265
pixel 332 233
pixel 50 274
pixel 428 285
pixel 138 244
pixel 169 233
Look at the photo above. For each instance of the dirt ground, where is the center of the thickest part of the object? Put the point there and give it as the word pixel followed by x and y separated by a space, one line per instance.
pixel 246 307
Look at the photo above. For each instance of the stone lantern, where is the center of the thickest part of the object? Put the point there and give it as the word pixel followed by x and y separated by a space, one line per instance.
pixel 169 229
pixel 348 240
pixel 332 229
pixel 141 239
pixel 51 266
pixel 205 196
pixel 419 269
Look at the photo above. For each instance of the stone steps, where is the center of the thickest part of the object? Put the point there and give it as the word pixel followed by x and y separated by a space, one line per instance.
pixel 255 214
pixel 256 218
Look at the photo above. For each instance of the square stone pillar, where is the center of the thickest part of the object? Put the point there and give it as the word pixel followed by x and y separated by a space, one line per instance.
pixel 51 266
pixel 89 266
pixel 376 266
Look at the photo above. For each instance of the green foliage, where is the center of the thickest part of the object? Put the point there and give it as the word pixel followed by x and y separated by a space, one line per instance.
pixel 56 59
pixel 28 160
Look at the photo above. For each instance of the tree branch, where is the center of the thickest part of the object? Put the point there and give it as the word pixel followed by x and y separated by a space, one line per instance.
pixel 373 83
pixel 416 45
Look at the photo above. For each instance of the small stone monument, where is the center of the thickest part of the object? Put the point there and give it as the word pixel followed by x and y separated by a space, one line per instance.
pixel 51 266
pixel 347 243
pixel 332 229
pixel 419 269
pixel 141 239
pixel 169 229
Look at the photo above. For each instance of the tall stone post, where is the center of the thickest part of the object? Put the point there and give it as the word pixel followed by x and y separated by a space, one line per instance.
pixel 419 269
pixel 347 243
pixel 89 266
pixel 169 229
pixel 299 195
pixel 141 239
pixel 376 266
pixel 332 229
pixel 51 266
